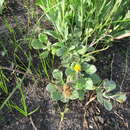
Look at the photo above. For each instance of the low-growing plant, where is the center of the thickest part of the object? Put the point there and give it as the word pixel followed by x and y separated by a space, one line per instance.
pixel 79 76
pixel 79 27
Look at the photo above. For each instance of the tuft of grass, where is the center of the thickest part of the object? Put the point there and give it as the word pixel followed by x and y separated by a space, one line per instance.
pixel 93 21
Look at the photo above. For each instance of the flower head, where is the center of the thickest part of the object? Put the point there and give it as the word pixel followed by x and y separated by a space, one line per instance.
pixel 77 67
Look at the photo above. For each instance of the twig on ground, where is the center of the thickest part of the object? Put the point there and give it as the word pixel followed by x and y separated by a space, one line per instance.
pixel 126 69
pixel 90 100
pixel 63 116
pixel 26 74
pixel 35 128
pixel 85 122
pixel 125 123
pixel 122 36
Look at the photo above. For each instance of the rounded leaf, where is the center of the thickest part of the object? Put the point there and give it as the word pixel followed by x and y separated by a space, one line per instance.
pixel 109 85
pixel 54 50
pixel 61 51
pixel 56 95
pixel 36 44
pixel 75 95
pixel 89 69
pixel 81 94
pixel 43 37
pixel 64 100
pixel 95 78
pixel 51 88
pixel 82 50
pixel 107 104
pixel 69 71
pixel 80 84
pixel 44 54
pixel 58 44
pixel 57 74
pixel 89 84
pixel 100 98
pixel 120 97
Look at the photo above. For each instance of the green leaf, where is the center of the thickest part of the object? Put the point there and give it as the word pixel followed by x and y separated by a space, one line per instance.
pixel 44 54
pixel 89 84
pixel 95 78
pixel 58 44
pixel 75 95
pixel 81 94
pixel 51 88
pixel 120 97
pixel 80 83
pixel 64 100
pixel 67 60
pixel 40 3
pixel 107 104
pixel 30 113
pixel 43 38
pixel 72 48
pixel 69 71
pixel 61 51
pixel 88 58
pixel 82 50
pixel 109 85
pixel 54 50
pixel 52 33
pixel 55 47
pixel 19 109
pixel 100 98
pixel 56 95
pixel 89 69
pixel 57 74
pixel 36 44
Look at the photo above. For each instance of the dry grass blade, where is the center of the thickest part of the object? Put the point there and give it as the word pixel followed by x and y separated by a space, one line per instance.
pixel 122 36
pixel 35 128
pixel 90 100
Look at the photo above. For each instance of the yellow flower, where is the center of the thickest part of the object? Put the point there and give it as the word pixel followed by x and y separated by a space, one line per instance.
pixel 77 67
